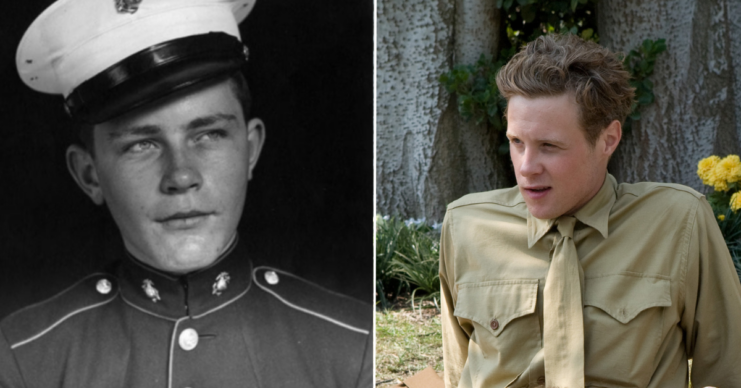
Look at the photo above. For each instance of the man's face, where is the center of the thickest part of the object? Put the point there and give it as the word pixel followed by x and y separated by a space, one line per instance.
pixel 557 170
pixel 174 175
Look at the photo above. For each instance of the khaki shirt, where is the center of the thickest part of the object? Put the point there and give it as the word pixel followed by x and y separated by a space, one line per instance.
pixel 659 288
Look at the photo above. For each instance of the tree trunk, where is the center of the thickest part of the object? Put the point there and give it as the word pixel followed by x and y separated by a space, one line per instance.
pixel 696 81
pixel 426 155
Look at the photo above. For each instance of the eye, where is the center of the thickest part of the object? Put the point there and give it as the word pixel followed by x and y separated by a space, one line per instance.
pixel 140 146
pixel 515 140
pixel 212 135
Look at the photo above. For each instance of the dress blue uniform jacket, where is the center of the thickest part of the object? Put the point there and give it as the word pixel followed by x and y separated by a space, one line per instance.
pixel 228 325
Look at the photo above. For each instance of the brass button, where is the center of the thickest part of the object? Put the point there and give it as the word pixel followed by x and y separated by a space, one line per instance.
pixel 188 339
pixel 494 324
pixel 271 277
pixel 103 286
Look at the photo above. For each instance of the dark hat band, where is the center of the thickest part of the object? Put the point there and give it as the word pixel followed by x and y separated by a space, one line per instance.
pixel 153 73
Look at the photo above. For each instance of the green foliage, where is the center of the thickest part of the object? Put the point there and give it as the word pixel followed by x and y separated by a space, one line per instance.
pixel 730 226
pixel 477 95
pixel 391 234
pixel 420 268
pixel 476 88
pixel 720 200
pixel 407 259
pixel 640 64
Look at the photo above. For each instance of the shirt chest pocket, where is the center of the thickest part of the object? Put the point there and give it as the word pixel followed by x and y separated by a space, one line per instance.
pixel 623 324
pixel 502 314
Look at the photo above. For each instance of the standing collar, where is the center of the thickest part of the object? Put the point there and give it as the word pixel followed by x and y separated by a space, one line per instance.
pixel 595 213
pixel 193 294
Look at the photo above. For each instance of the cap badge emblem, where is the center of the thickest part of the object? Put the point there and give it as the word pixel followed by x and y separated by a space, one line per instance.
pixel 152 293
pixel 127 6
pixel 221 283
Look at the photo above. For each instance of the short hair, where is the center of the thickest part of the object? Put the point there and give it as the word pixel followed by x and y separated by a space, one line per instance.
pixel 556 64
pixel 237 82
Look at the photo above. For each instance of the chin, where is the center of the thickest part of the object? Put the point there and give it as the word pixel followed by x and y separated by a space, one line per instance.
pixel 188 253
pixel 542 213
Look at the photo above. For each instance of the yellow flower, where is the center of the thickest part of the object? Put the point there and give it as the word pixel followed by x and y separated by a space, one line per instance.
pixel 735 202
pixel 721 217
pixel 729 168
pixel 705 167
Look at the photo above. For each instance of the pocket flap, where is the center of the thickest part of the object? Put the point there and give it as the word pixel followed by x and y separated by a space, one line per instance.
pixel 503 300
pixel 625 295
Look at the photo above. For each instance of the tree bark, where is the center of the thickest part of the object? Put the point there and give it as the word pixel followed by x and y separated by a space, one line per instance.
pixel 696 83
pixel 427 155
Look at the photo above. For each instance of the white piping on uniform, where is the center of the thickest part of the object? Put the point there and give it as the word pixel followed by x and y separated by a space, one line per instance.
pixel 221 306
pixel 58 322
pixel 307 311
pixel 64 291
pixel 146 311
pixel 172 349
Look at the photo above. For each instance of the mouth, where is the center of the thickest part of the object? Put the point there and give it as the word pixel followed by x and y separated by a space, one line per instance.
pixel 184 220
pixel 536 192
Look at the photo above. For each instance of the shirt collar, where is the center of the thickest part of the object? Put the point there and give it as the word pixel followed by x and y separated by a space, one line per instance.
pixel 194 294
pixel 595 213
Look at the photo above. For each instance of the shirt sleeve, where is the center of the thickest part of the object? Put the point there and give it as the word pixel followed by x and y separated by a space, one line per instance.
pixel 10 376
pixel 712 313
pixel 455 339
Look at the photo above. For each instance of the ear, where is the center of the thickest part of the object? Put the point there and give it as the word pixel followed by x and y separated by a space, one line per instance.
pixel 610 138
pixel 81 166
pixel 255 140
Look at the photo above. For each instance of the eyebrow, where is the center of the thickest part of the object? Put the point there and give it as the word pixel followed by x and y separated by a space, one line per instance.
pixel 540 140
pixel 151 130
pixel 211 119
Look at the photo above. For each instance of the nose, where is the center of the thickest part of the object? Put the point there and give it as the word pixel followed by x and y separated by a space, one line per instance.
pixel 530 163
pixel 181 174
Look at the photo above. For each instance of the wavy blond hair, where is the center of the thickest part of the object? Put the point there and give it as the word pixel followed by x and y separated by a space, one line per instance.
pixel 556 64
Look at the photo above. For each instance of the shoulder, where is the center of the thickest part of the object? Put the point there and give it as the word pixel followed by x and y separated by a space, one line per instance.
pixel 300 295
pixel 508 197
pixel 649 188
pixel 658 194
pixel 34 322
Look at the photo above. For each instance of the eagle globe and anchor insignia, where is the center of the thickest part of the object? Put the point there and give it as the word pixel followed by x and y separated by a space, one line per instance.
pixel 152 293
pixel 127 6
pixel 222 281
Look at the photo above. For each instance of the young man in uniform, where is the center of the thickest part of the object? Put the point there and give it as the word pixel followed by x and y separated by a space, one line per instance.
pixel 169 147
pixel 571 279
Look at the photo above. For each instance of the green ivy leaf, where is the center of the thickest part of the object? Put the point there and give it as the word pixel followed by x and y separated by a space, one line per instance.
pixel 659 46
pixel 528 13
pixel 635 116
pixel 499 3
pixel 646 98
pixel 573 5
pixel 503 149
pixel 507 4
pixel 587 34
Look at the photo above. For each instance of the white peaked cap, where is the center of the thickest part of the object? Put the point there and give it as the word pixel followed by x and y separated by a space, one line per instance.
pixel 74 40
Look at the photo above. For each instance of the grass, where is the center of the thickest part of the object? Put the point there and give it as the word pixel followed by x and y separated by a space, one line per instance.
pixel 407 341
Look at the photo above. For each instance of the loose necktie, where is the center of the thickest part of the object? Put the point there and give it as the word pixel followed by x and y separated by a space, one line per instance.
pixel 563 319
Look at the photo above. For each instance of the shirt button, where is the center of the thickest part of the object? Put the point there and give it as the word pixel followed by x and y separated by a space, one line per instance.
pixel 494 324
pixel 188 339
